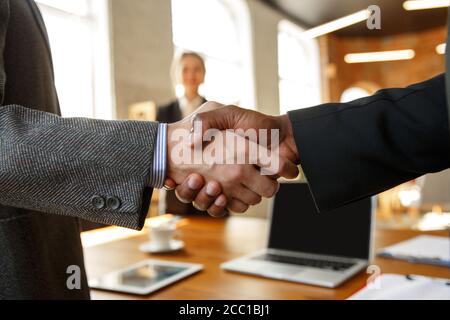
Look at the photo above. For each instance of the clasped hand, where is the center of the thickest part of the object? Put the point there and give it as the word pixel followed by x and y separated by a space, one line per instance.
pixel 226 157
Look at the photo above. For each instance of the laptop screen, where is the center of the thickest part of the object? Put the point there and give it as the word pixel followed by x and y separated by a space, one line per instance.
pixel 297 226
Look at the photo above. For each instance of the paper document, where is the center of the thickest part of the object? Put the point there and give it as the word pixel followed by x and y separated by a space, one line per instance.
pixel 401 287
pixel 421 249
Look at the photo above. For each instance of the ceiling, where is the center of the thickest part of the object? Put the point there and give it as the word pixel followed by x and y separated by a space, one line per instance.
pixel 394 19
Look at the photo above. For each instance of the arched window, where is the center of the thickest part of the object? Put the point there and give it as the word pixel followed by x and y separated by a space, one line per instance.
pixel 78 35
pixel 222 37
pixel 298 69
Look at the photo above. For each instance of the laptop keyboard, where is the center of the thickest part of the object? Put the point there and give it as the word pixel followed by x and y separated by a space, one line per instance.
pixel 308 262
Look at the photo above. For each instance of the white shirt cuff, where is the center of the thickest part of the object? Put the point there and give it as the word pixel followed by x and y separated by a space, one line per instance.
pixel 159 169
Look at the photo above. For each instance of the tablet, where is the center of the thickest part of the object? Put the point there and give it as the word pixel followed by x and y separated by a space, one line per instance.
pixel 145 277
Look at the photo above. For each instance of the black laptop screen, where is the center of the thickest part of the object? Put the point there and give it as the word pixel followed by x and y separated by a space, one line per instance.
pixel 297 226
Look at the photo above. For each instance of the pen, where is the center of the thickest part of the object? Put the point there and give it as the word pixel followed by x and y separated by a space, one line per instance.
pixel 413 277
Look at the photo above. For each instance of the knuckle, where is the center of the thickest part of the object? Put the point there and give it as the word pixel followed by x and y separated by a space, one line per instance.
pixel 257 200
pixel 213 189
pixel 238 208
pixel 236 173
pixel 244 208
pixel 271 189
pixel 232 207
pixel 232 107
pixel 181 195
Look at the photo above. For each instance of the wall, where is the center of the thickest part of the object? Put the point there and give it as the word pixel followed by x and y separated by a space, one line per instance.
pixel 142 51
pixel 426 64
pixel 265 52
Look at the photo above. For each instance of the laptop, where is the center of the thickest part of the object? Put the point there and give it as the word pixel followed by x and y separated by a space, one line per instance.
pixel 305 246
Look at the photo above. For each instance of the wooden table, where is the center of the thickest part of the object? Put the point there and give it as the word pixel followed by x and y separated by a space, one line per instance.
pixel 212 241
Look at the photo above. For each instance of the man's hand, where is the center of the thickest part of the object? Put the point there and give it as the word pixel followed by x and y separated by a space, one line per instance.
pixel 217 116
pixel 241 183
pixel 213 115
pixel 193 188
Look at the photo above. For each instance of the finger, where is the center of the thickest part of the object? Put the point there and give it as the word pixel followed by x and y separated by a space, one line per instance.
pixel 218 208
pixel 206 197
pixel 287 169
pixel 208 106
pixel 271 162
pixel 245 195
pixel 188 190
pixel 260 184
pixel 237 206
pixel 219 118
pixel 169 184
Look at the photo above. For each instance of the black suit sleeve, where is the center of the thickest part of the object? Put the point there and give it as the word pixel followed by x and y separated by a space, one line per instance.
pixel 349 151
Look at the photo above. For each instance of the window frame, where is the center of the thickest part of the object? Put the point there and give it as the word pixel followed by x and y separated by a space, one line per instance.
pixel 311 46
pixel 239 12
pixel 96 18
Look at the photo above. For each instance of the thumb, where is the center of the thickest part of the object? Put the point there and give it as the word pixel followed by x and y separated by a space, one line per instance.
pixel 214 119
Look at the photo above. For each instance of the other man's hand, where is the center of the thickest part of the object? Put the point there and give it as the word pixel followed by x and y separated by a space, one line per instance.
pixel 213 115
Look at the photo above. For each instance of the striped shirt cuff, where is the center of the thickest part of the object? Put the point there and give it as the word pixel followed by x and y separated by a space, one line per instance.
pixel 159 169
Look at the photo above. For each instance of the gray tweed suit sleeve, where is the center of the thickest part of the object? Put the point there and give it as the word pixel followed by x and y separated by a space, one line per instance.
pixel 92 169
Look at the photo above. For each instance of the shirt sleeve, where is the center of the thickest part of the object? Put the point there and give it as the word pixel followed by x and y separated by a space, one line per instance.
pixel 159 167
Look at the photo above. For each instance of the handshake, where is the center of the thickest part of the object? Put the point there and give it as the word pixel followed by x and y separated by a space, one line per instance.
pixel 225 157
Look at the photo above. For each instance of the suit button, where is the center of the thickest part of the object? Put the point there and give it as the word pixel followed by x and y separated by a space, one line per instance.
pixel 98 202
pixel 113 203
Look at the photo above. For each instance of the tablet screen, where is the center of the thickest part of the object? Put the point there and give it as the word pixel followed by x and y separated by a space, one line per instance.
pixel 145 277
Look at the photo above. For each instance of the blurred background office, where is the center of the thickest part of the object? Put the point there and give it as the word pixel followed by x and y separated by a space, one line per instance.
pixel 113 60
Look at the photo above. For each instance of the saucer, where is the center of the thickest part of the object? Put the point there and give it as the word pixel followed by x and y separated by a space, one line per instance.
pixel 150 247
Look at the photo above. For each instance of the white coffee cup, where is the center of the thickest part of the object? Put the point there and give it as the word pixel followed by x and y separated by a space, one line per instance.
pixel 162 235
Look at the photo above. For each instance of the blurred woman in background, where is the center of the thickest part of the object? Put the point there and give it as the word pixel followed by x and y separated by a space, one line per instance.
pixel 188 75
